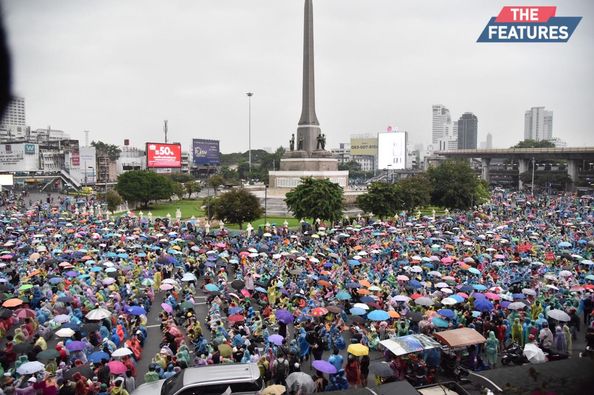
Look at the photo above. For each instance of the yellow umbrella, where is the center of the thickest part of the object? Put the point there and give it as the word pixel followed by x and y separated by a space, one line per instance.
pixel 276 389
pixel 358 350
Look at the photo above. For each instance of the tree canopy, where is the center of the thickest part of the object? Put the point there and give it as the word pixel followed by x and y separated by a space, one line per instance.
pixel 529 143
pixel 111 150
pixel 316 198
pixel 237 206
pixel 142 186
pixel 456 185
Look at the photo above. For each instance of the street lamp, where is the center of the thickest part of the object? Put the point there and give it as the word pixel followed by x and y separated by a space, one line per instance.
pixel 249 95
pixel 533 164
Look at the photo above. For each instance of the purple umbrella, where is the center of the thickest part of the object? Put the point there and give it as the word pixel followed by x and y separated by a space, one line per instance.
pixel 136 310
pixel 71 273
pixel 276 339
pixel 284 316
pixel 324 366
pixel 75 346
pixel 483 305
pixel 167 307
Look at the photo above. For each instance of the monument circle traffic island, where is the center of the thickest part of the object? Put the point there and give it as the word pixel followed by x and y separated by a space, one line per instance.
pixel 307 155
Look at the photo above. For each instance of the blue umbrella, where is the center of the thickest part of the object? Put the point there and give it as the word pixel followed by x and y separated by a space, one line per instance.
pixel 464 288
pixel 474 270
pixel 353 285
pixel 357 311
pixel 367 299
pixel 354 262
pixel 378 315
pixel 458 298
pixel 479 287
pixel 564 244
pixel 235 310
pixel 136 310
pixel 518 296
pixel 260 289
pixel 97 356
pixel 439 322
pixel 96 269
pixel 446 313
pixel 343 295
pixel 414 284
pixel 483 305
pixel 211 288
pixel 55 280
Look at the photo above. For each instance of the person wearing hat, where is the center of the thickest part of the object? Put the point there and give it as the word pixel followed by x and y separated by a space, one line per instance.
pixel 118 387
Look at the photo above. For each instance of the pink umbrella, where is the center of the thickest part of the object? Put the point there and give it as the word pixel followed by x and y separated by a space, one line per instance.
pixel 447 259
pixel 166 287
pixel 117 367
pixel 492 296
pixel 167 307
pixel 245 293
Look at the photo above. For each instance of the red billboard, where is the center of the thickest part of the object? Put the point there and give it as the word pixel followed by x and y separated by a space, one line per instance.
pixel 161 155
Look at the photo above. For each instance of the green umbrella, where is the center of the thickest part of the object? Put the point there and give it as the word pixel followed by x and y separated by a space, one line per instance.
pixel 187 305
pixel 25 287
pixel 225 350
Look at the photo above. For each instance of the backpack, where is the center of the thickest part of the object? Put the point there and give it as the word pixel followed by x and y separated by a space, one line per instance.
pixel 281 369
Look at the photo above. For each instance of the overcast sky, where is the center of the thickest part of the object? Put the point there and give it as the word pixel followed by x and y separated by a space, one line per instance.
pixel 119 68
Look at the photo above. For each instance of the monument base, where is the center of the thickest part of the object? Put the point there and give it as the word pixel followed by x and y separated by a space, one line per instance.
pixel 283 179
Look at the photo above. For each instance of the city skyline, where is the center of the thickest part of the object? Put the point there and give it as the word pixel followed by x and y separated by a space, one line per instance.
pixel 119 70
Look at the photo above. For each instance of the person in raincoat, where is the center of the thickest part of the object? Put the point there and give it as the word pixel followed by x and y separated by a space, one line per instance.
pixel 559 343
pixel 568 338
pixel 517 332
pixel 491 349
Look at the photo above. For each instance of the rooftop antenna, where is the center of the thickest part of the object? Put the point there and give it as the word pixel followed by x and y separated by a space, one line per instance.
pixel 86 132
pixel 165 130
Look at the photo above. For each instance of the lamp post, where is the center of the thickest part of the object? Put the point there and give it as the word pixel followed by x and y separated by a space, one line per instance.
pixel 249 95
pixel 265 203
pixel 533 165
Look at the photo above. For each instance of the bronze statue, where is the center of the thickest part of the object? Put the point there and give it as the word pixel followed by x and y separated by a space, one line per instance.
pixel 300 144
pixel 292 142
pixel 321 142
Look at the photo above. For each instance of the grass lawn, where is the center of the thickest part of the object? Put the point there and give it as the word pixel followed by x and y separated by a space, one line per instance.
pixel 188 208
pixel 278 221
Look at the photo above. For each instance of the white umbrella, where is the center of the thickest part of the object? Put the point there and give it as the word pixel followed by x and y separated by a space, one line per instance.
pixel 361 306
pixel 121 352
pixel 416 269
pixel 169 281
pixel 529 291
pixel 534 354
pixel 559 315
pixel 61 318
pixel 299 382
pixel 98 314
pixel 424 301
pixel 516 306
pixel 189 277
pixel 65 332
pixel 565 273
pixel 551 286
pixel 401 298
pixel 448 301
pixel 30 367
pixel 434 273
pixel 441 285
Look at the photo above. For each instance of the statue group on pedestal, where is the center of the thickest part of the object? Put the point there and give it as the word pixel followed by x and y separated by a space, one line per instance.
pixel 320 140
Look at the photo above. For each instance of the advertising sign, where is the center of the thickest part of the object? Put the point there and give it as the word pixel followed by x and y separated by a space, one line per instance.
pixel 161 155
pixel 206 152
pixel 391 150
pixel 364 146
pixel 30 149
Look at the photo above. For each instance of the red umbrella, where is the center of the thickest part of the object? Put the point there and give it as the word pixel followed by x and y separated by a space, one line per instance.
pixel 117 367
pixel 236 318
pixel 245 293
pixel 318 312
pixel 492 296
pixel 174 330
pixel 25 313
pixel 415 296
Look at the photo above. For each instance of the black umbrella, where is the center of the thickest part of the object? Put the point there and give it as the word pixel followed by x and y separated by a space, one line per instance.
pixel 5 313
pixel 23 348
pixel 65 299
pixel 84 370
pixel 89 327
pixel 381 369
pixel 414 316
pixel 47 355
pixel 238 284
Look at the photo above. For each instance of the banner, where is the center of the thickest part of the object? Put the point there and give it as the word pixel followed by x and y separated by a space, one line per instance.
pixel 161 155
pixel 206 152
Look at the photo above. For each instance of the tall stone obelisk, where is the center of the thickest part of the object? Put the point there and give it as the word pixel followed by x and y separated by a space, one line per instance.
pixel 305 157
pixel 308 128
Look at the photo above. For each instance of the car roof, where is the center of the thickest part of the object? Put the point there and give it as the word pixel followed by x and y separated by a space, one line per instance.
pixel 221 373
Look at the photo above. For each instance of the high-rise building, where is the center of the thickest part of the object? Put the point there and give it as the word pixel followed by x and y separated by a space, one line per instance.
pixel 467 131
pixel 14 114
pixel 538 124
pixel 489 141
pixel 442 123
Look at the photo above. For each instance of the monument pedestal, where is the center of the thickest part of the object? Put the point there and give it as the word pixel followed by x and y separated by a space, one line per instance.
pixel 292 168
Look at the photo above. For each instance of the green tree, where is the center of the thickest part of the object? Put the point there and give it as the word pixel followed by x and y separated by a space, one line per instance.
pixel 191 187
pixel 111 150
pixel 546 178
pixel 237 206
pixel 350 166
pixel 380 199
pixel 316 198
pixel 178 189
pixel 413 192
pixel 456 185
pixel 142 186
pixel 529 143
pixel 208 205
pixel 181 177
pixel 113 200
pixel 215 182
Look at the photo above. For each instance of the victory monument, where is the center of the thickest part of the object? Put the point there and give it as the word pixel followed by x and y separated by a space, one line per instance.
pixel 307 155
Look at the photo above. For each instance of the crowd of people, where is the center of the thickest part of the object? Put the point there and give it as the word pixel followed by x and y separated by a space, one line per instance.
pixel 77 286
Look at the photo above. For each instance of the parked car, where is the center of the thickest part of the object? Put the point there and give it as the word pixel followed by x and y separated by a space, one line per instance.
pixel 242 379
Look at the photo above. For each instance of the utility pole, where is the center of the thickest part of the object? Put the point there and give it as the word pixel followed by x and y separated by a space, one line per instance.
pixel 165 130
pixel 533 164
pixel 86 132
pixel 249 95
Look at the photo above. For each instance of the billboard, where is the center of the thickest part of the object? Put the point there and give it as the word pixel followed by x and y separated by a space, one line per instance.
pixel 391 150
pixel 163 156
pixel 205 152
pixel 364 146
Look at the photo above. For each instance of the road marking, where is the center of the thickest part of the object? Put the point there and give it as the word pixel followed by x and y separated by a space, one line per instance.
pixel 153 326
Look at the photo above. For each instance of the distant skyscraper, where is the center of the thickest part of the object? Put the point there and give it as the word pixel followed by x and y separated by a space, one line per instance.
pixel 15 113
pixel 442 123
pixel 467 131
pixel 489 141
pixel 538 124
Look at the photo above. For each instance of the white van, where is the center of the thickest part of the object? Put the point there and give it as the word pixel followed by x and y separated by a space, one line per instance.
pixel 239 379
